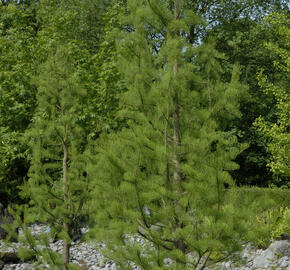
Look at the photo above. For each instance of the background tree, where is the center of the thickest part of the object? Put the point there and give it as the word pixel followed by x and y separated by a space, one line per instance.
pixel 89 26
pixel 104 83
pixel 163 177
pixel 18 30
pixel 217 13
pixel 239 39
pixel 30 31
pixel 277 133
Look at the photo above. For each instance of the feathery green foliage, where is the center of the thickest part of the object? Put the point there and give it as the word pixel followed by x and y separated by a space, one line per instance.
pixel 57 187
pixel 163 178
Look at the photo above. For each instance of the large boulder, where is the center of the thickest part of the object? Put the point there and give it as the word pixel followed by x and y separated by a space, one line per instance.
pixel 284 236
pixel 277 249
pixel 10 257
pixel 281 248
pixel 3 233
pixel 5 218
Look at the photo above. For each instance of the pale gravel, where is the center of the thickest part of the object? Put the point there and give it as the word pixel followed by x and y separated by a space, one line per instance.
pixel 88 255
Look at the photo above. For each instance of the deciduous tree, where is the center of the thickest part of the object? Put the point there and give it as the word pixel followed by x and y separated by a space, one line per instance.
pixel 277 133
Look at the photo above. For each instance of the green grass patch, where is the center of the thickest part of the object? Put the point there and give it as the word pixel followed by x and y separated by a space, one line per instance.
pixel 267 210
pixel 268 197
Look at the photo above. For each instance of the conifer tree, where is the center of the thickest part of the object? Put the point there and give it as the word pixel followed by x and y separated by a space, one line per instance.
pixel 163 178
pixel 57 185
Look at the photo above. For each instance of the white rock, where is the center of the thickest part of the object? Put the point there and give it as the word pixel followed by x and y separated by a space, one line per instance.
pixel 281 247
pixel 264 260
pixel 283 262
pixel 89 254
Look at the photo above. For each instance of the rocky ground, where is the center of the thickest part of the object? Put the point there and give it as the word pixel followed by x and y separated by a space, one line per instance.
pixel 89 257
pixel 275 257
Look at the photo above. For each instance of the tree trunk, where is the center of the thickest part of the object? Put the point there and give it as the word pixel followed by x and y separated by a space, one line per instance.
pixel 166 146
pixel 179 243
pixel 66 243
pixel 176 126
pixel 209 92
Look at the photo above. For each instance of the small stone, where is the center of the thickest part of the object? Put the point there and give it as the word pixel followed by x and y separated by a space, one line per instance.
pixel 283 262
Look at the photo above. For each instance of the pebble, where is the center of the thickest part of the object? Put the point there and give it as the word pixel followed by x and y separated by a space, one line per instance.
pixel 89 256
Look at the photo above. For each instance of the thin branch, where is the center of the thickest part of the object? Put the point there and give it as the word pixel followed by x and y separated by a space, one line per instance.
pixel 205 262
pixel 152 240
pixel 156 11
